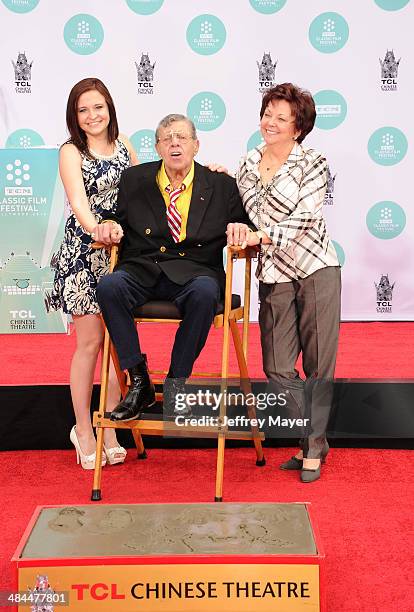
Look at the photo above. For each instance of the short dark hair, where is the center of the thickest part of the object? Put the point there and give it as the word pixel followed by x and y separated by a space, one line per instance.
pixel 77 135
pixel 301 103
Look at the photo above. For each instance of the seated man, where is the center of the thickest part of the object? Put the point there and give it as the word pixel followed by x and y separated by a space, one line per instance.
pixel 174 215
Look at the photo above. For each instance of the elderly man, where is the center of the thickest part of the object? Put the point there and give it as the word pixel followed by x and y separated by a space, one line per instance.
pixel 173 214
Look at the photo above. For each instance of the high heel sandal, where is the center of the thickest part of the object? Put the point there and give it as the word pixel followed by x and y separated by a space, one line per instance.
pixel 86 461
pixel 114 455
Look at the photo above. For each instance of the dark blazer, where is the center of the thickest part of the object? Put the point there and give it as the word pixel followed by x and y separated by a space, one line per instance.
pixel 148 248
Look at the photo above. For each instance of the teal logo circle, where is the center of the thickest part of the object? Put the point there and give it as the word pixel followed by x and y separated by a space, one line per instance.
pixel 83 34
pixel 392 5
pixel 207 111
pixel 24 139
pixel 21 6
pixel 387 146
pixel 143 142
pixel 328 32
pixel 145 7
pixel 386 220
pixel 267 6
pixel 255 140
pixel 206 34
pixel 331 109
pixel 340 253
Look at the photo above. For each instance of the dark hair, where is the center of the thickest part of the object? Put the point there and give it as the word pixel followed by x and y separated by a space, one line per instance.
pixel 77 135
pixel 301 103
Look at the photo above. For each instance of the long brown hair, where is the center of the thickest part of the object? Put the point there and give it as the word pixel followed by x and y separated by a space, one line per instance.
pixel 77 135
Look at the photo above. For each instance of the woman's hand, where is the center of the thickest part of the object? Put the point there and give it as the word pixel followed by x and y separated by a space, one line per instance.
pixel 218 168
pixel 107 233
pixel 238 234
pixel 117 233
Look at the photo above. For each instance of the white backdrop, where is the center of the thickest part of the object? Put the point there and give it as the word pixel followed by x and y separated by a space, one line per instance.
pixel 202 60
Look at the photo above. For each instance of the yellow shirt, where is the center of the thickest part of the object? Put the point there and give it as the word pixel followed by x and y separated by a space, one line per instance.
pixel 184 199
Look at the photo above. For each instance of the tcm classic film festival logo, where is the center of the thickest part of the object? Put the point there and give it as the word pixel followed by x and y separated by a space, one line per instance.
pixel 83 34
pixel 267 69
pixel 207 111
pixel 384 294
pixel 143 142
pixel 22 73
pixel 387 146
pixel 328 32
pixel 145 74
pixel 24 139
pixel 18 196
pixel 206 34
pixel 386 220
pixel 21 6
pixel 267 7
pixel 145 7
pixel 389 71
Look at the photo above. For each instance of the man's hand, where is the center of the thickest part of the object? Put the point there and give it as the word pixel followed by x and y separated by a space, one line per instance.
pixel 238 234
pixel 108 233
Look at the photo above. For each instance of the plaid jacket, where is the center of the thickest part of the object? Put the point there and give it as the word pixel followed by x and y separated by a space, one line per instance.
pixel 289 210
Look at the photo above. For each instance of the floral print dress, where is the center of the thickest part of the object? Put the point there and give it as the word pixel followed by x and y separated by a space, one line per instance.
pixel 78 267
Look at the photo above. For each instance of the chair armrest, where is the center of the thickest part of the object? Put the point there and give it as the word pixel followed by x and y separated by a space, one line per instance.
pixel 236 252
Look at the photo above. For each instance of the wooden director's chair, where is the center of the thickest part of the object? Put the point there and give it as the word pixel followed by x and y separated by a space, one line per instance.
pixel 228 313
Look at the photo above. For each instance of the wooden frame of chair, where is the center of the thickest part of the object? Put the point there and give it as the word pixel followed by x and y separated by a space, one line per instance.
pixel 228 320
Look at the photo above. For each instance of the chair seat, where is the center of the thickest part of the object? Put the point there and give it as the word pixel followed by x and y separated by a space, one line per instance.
pixel 162 309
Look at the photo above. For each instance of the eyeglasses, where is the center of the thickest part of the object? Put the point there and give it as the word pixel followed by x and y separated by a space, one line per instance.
pixel 182 138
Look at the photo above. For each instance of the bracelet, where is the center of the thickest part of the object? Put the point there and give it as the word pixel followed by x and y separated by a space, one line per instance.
pixel 259 234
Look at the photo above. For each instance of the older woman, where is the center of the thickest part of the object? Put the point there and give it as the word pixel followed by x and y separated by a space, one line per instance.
pixel 282 185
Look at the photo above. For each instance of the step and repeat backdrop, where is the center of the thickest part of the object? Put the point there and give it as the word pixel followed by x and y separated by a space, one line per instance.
pixel 212 60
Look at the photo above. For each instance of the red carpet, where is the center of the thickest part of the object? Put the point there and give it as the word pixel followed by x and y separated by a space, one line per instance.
pixel 363 503
pixel 366 350
pixel 363 507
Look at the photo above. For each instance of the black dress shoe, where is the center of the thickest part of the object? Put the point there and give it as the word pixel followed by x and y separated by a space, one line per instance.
pixel 173 405
pixel 141 395
pixel 292 464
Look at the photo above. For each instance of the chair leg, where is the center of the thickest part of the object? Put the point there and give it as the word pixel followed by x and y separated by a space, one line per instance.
pixel 221 443
pixel 97 475
pixel 141 452
pixel 247 388
pixel 121 376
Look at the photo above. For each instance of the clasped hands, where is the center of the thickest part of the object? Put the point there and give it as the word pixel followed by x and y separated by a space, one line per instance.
pixel 240 234
pixel 108 233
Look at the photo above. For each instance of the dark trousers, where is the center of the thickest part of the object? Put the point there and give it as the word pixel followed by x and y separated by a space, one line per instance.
pixel 120 293
pixel 303 315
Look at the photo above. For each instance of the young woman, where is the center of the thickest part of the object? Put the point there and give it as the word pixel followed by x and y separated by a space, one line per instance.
pixel 91 163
